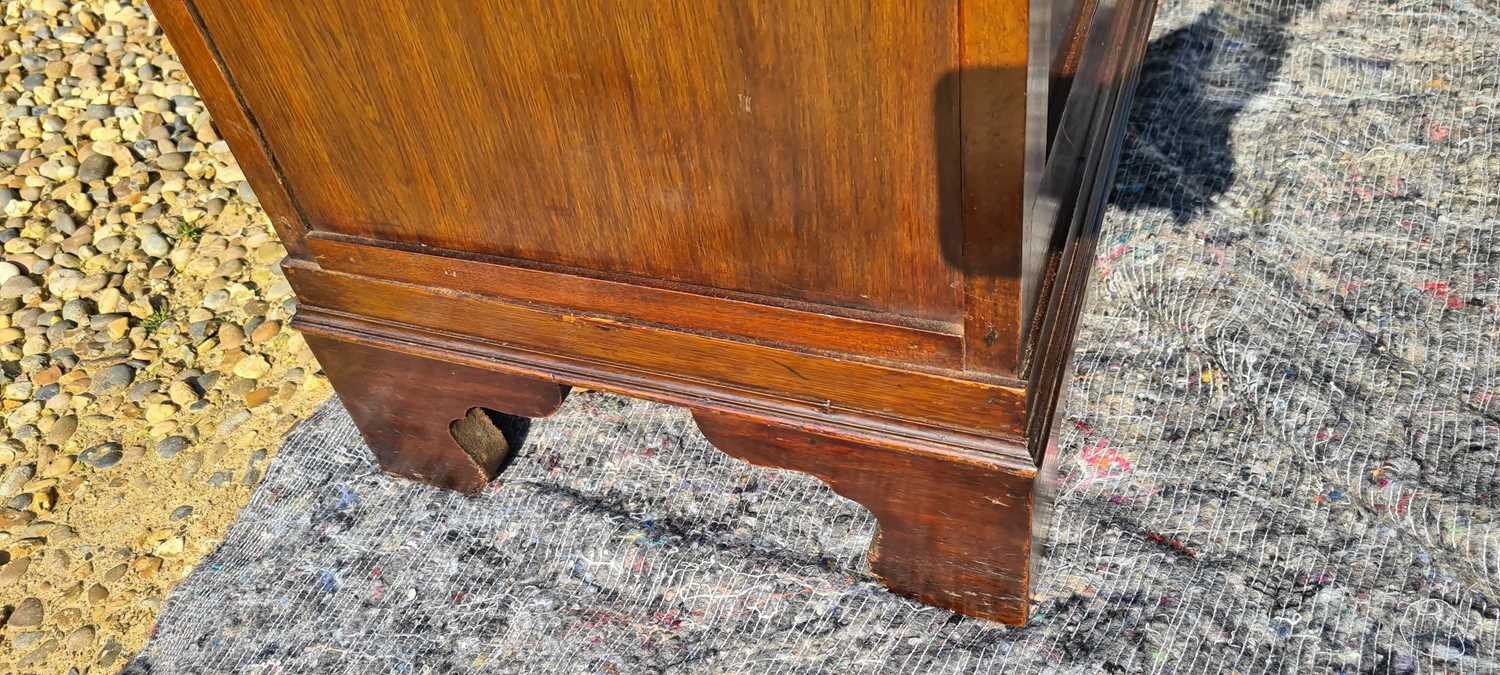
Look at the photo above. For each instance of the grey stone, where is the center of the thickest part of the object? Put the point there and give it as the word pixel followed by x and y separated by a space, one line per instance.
pixel 17 286
pixel 206 382
pixel 172 161
pixel 140 390
pixel 15 477
pixel 233 420
pixel 102 456
pixel 63 222
pixel 113 377
pixel 65 358
pixel 168 447
pixel 77 310
pixel 97 167
pixel 14 570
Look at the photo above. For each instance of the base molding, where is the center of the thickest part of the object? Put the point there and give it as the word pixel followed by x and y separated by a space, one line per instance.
pixel 483 354
pixel 956 526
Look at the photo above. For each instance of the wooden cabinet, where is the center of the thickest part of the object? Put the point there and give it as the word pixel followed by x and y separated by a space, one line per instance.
pixel 809 221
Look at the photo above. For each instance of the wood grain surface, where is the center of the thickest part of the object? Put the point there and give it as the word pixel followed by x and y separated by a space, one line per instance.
pixel 806 220
pixel 406 407
pixel 807 381
pixel 785 148
pixel 955 532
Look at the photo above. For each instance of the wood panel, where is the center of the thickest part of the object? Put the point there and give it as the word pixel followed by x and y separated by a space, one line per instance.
pixel 815 383
pixel 785 148
pixel 768 324
pixel 993 90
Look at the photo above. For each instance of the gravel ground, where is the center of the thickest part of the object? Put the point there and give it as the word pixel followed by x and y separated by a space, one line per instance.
pixel 145 368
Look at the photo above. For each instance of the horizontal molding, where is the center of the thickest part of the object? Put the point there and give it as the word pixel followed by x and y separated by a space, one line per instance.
pixel 680 368
pixel 667 307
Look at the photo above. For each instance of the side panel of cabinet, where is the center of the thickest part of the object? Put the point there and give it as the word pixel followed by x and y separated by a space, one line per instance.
pixel 783 148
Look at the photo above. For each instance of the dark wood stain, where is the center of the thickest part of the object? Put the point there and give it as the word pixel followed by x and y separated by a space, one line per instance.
pixel 638 137
pixel 431 395
pixel 805 220
pixel 955 531
pixel 817 381
pixel 765 323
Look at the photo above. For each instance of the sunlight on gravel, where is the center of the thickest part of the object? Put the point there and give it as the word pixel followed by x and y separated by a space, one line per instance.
pixel 147 368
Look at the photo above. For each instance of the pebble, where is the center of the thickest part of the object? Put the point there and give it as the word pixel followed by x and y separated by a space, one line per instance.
pixel 77 310
pixel 206 381
pixel 170 548
pixel 10 518
pixel 16 391
pixel 26 640
pixel 141 389
pixel 113 377
pixel 102 456
pixel 182 393
pixel 41 655
pixel 95 168
pixel 81 638
pixel 62 429
pixel 146 566
pixel 17 286
pixel 168 447
pixel 160 412
pixel 189 465
pixel 231 336
pixel 259 397
pixel 26 614
pixel 172 161
pixel 58 467
pixel 155 245
pixel 14 478
pixel 108 655
pixel 114 574
pixel 252 367
pixel 121 206
pixel 14 570
pixel 232 421
pixel 265 331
